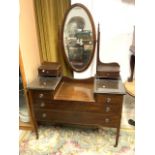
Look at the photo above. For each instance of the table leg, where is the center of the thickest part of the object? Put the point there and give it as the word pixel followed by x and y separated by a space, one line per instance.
pixel 117 136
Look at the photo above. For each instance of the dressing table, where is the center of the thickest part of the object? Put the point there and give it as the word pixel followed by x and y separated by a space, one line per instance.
pixel 92 102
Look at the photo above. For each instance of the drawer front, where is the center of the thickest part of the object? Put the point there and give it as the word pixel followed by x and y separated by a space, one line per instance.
pixel 112 109
pixel 108 74
pixel 109 99
pixel 77 106
pixel 39 94
pixel 45 72
pixel 111 104
pixel 77 118
pixel 67 105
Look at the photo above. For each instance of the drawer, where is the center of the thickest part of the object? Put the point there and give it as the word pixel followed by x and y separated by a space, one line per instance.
pixel 49 69
pixel 39 94
pixel 108 98
pixel 112 109
pixel 78 106
pixel 48 73
pixel 114 75
pixel 67 105
pixel 81 118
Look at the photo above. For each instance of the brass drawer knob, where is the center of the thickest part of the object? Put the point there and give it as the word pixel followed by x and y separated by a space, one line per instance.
pixel 108 100
pixel 42 104
pixel 107 109
pixel 107 120
pixel 44 115
pixel 41 95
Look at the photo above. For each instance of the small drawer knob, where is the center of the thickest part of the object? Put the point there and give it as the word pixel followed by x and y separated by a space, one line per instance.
pixel 44 83
pixel 42 104
pixel 108 100
pixel 47 72
pixel 44 115
pixel 43 70
pixel 41 95
pixel 107 120
pixel 107 109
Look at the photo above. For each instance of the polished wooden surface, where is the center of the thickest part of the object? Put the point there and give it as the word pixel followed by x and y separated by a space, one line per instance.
pixel 130 87
pixel 48 69
pixel 44 83
pixel 77 118
pixel 75 91
pixel 106 70
pixel 77 102
pixel 105 86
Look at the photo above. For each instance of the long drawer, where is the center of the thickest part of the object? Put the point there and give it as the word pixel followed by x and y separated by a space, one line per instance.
pixel 78 106
pixel 83 118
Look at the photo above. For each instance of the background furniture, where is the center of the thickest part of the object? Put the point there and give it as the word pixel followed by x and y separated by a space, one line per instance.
pixel 132 62
pixel 132 58
pixel 130 89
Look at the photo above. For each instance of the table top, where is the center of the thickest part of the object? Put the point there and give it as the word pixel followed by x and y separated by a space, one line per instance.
pixel 44 83
pixel 130 87
pixel 106 86
pixel 102 86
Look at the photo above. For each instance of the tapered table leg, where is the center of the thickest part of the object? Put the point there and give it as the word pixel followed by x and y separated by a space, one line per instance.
pixel 117 136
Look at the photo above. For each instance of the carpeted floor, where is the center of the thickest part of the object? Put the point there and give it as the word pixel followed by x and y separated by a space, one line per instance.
pixel 74 141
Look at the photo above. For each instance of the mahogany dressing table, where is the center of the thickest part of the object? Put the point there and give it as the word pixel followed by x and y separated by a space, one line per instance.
pixel 92 102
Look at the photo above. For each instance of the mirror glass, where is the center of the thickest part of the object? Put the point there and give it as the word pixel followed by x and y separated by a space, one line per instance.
pixel 78 37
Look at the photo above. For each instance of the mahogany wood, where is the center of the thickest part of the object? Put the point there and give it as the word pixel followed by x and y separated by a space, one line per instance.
pixel 79 102
pixel 93 33
pixel 74 102
pixel 106 70
pixel 50 69
pixel 75 90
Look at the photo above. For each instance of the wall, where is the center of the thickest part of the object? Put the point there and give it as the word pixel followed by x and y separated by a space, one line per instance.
pixel 28 39
pixel 116 18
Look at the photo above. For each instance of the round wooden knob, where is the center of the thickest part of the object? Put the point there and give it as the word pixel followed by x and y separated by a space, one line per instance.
pixel 107 120
pixel 107 109
pixel 41 95
pixel 108 100
pixel 42 104
pixel 44 115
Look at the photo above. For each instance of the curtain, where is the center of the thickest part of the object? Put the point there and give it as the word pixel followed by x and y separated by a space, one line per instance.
pixel 49 18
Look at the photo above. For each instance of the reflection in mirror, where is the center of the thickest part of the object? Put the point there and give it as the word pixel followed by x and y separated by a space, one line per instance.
pixel 78 37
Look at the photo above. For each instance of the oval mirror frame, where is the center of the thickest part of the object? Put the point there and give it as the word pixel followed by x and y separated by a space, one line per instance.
pixel 78 37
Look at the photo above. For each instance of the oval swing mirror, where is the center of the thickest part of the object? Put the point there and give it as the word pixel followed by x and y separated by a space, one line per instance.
pixel 78 37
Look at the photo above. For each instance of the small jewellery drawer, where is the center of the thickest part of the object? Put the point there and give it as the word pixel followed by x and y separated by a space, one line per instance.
pixel 108 99
pixel 38 94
